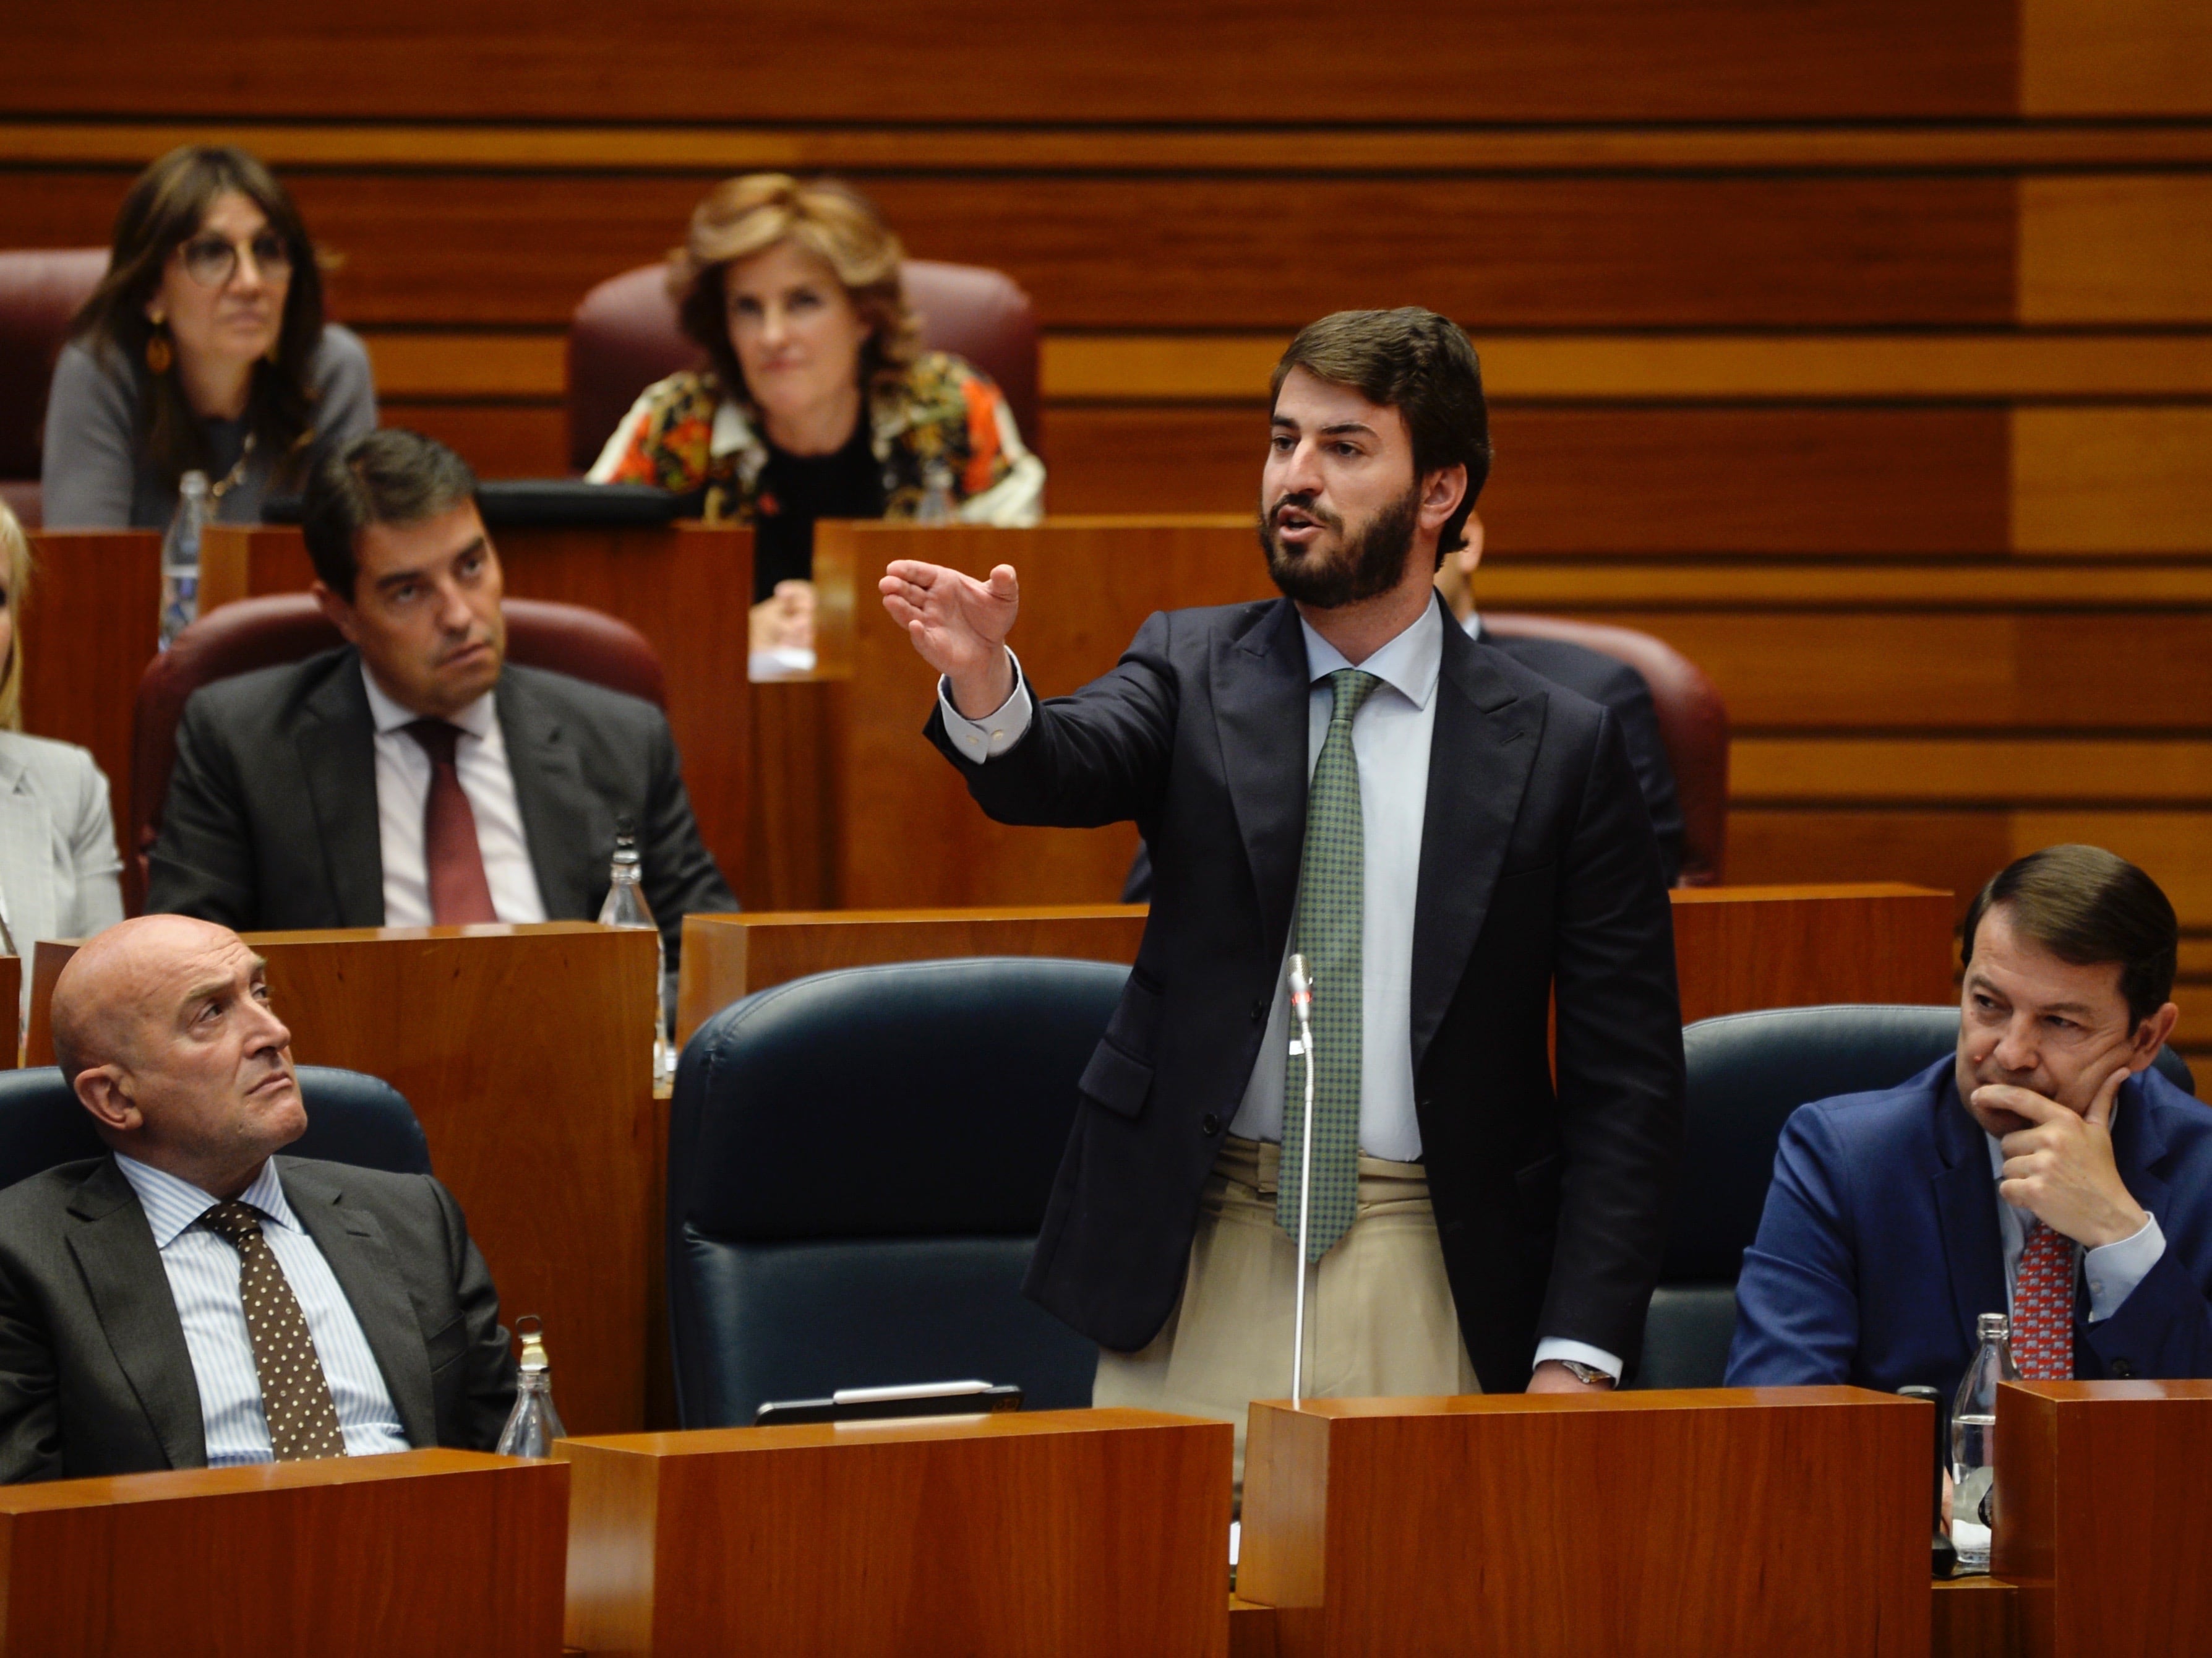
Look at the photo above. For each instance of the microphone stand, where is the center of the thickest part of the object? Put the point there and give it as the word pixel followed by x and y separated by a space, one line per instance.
pixel 1301 1008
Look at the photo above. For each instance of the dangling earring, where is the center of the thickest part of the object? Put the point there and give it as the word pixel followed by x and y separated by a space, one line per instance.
pixel 159 354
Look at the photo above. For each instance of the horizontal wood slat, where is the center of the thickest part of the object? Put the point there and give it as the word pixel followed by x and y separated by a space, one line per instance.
pixel 1983 770
pixel 2113 480
pixel 1510 581
pixel 2090 58
pixel 2116 248
pixel 429 146
pixel 1220 252
pixel 969 61
pixel 500 440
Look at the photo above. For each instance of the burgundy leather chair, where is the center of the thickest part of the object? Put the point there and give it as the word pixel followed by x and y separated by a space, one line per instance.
pixel 40 290
pixel 1692 724
pixel 260 633
pixel 625 336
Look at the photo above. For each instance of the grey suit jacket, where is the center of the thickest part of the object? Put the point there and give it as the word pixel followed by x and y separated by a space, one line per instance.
pixel 271 816
pixel 95 1375
pixel 58 867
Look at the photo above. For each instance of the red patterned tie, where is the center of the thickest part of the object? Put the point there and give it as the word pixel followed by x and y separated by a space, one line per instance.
pixel 460 893
pixel 2043 1306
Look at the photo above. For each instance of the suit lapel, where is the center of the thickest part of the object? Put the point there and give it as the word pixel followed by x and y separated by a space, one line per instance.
pixel 1967 1208
pixel 336 739
pixel 559 814
pixel 2138 1148
pixel 26 875
pixel 365 1269
pixel 1480 753
pixel 1261 693
pixel 113 1248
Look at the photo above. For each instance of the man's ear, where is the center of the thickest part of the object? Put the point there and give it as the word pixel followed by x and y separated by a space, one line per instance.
pixel 1442 491
pixel 105 1091
pixel 340 611
pixel 2150 1036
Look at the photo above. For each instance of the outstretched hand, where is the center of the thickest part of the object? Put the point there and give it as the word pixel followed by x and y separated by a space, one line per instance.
pixel 2060 1165
pixel 959 625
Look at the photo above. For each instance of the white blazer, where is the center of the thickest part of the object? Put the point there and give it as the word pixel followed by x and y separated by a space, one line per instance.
pixel 59 870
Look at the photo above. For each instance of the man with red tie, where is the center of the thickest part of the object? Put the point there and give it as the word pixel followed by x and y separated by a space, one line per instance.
pixel 2046 1170
pixel 416 777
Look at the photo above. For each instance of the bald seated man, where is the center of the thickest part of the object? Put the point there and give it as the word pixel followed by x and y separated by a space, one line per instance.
pixel 191 1299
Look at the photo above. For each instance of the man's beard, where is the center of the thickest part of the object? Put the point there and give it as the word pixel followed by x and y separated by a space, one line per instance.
pixel 1372 562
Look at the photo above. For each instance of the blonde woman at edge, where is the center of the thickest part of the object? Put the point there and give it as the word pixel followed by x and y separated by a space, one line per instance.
pixel 59 873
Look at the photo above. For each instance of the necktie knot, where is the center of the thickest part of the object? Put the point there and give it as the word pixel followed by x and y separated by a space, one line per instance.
pixel 438 738
pixel 238 1224
pixel 1349 689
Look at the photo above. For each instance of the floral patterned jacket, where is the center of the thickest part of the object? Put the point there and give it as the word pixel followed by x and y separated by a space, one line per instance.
pixel 942 422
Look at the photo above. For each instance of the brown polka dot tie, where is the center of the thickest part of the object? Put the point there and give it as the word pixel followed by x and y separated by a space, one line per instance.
pixel 303 1422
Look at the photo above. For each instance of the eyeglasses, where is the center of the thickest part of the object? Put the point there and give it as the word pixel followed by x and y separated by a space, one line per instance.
pixel 212 260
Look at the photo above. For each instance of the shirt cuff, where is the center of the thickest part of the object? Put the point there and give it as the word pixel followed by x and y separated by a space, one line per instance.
pixel 992 736
pixel 1582 1352
pixel 2115 1269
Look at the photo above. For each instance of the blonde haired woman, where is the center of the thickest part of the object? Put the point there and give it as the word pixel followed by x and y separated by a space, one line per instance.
pixel 58 869
pixel 816 402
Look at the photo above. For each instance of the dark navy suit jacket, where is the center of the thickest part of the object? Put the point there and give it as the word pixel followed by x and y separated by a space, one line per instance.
pixel 1880 1243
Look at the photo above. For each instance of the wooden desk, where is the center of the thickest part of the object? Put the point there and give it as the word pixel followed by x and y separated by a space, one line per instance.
pixel 685 586
pixel 524 1051
pixel 1070 1532
pixel 729 957
pixel 1736 948
pixel 367 1556
pixel 2101 1516
pixel 1709 1522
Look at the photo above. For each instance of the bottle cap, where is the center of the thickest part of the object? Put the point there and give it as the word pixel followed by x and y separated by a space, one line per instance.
pixel 531 1329
pixel 1994 1327
pixel 192 483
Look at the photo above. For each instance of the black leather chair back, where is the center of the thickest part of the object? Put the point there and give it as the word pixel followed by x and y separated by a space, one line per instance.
pixel 858 1165
pixel 1747 1073
pixel 351 1118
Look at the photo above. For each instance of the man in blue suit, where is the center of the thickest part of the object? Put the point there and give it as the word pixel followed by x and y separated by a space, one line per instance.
pixel 2044 1169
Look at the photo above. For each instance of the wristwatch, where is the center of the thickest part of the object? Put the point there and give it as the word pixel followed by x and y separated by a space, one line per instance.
pixel 1589 1375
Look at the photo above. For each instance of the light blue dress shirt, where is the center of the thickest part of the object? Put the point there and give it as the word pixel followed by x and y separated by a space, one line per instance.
pixel 1391 737
pixel 203 1272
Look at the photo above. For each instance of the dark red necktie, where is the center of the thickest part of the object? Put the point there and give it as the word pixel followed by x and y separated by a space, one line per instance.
pixel 460 893
pixel 2043 1306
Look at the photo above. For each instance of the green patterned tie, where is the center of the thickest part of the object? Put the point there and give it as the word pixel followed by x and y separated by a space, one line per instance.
pixel 1331 892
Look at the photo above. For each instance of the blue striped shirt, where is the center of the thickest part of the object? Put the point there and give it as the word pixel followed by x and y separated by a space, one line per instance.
pixel 204 1272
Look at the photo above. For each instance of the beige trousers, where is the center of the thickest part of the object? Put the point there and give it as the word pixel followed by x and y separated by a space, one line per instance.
pixel 1379 1317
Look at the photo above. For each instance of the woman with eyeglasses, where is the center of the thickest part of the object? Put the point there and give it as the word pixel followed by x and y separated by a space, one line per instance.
pixel 203 349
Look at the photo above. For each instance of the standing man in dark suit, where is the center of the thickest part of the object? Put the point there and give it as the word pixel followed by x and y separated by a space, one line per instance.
pixel 1447 838
pixel 415 777
pixel 1601 678
pixel 191 1300
pixel 2044 1170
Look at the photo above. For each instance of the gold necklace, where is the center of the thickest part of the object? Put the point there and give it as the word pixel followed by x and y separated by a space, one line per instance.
pixel 217 491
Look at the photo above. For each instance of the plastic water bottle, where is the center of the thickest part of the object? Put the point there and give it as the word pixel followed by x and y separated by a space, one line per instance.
pixel 1973 1442
pixel 626 908
pixel 534 1424
pixel 936 507
pixel 181 558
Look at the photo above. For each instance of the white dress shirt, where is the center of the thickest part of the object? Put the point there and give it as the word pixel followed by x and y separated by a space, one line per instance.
pixel 403 790
pixel 2113 1269
pixel 1390 741
pixel 203 1271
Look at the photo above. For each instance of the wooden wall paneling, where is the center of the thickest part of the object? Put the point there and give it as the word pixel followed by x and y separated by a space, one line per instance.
pixel 2116 248
pixel 978 60
pixel 729 957
pixel 522 1051
pixel 1076 1533
pixel 2088 57
pixel 1241 252
pixel 88 632
pixel 1977 770
pixel 1461 1525
pixel 1853 670
pixel 1612 481
pixel 499 439
pixel 2129 479
pixel 1084 597
pixel 348 1556
pixel 2170 846
pixel 1742 948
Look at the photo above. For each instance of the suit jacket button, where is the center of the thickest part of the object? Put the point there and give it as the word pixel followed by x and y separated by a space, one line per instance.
pixel 1209 1125
pixel 1259 1009
pixel 2122 1370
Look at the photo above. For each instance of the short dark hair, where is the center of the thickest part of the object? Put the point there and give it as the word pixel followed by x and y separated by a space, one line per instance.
pixel 391 476
pixel 1421 365
pixel 2088 906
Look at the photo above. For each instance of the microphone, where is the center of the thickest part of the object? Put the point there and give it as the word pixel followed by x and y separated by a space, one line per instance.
pixel 1302 989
